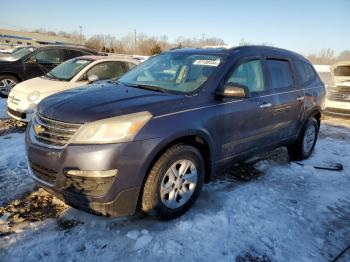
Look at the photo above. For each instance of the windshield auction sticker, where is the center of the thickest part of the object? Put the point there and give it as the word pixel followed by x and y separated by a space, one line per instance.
pixel 207 62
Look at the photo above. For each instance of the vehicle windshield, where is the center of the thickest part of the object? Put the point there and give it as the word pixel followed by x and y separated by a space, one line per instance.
pixel 67 70
pixel 171 72
pixel 19 53
pixel 326 78
pixel 342 71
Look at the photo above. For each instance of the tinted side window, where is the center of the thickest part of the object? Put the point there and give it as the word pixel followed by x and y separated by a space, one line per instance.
pixel 69 54
pixel 310 72
pixel 107 70
pixel 249 74
pixel 130 65
pixel 280 73
pixel 305 72
pixel 51 56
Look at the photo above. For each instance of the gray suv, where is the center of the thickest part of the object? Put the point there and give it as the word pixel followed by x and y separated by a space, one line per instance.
pixel 149 140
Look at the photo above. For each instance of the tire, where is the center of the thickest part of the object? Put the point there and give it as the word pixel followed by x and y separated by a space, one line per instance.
pixel 7 82
pixel 165 195
pixel 305 143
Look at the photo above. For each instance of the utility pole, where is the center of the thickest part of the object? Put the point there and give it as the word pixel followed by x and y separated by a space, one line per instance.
pixel 135 41
pixel 81 34
pixel 203 36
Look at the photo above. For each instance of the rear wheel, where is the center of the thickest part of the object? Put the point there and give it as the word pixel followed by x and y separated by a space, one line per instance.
pixel 7 82
pixel 174 182
pixel 304 145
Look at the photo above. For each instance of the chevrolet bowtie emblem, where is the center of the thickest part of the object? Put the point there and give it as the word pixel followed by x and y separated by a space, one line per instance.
pixel 38 129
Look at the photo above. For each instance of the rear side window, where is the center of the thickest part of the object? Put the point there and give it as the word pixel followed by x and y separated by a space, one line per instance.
pixel 249 74
pixel 305 72
pixel 310 72
pixel 280 73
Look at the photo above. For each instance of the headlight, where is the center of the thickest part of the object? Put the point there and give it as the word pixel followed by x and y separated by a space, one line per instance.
pixel 112 130
pixel 33 96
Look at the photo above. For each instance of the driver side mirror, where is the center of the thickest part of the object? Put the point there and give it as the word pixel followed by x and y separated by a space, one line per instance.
pixel 234 90
pixel 92 78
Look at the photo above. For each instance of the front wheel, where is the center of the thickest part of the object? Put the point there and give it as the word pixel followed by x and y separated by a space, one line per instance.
pixel 304 145
pixel 7 82
pixel 174 182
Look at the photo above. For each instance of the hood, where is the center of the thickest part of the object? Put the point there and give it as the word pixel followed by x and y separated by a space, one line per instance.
pixel 43 85
pixel 99 101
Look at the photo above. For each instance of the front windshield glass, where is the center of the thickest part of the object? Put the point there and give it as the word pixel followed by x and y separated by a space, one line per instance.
pixel 171 72
pixel 19 53
pixel 67 70
pixel 342 71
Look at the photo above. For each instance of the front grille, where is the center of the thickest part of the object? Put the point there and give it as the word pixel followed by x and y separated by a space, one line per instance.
pixel 48 175
pixel 339 97
pixel 52 132
pixel 340 93
pixel 16 113
pixel 338 111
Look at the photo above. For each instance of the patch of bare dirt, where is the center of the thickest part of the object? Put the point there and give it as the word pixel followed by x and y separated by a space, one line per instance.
pixel 8 126
pixel 37 206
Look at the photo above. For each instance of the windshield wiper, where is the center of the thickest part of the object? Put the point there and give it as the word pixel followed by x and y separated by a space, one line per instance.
pixel 147 87
pixel 53 76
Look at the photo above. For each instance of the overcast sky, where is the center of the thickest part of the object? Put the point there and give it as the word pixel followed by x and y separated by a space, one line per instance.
pixel 302 26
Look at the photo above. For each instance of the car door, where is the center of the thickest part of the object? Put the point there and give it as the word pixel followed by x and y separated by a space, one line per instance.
pixel 284 97
pixel 43 61
pixel 107 70
pixel 244 124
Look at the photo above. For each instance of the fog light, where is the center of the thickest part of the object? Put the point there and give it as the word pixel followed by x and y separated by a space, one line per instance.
pixel 94 174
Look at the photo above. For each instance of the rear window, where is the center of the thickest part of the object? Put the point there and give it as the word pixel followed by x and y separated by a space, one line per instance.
pixel 342 71
pixel 280 73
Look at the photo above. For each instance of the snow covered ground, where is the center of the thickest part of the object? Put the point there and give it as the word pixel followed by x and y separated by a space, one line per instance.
pixel 14 179
pixel 287 212
pixel 3 108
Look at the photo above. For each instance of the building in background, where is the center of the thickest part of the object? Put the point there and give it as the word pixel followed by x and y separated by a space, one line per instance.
pixel 11 38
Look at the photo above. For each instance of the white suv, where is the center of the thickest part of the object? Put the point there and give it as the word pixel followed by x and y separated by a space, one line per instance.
pixel 338 94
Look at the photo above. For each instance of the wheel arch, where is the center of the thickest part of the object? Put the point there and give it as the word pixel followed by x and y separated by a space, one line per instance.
pixel 200 140
pixel 12 74
pixel 315 113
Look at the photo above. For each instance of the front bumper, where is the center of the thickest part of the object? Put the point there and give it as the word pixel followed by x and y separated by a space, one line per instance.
pixel 341 108
pixel 24 116
pixel 108 195
pixel 19 109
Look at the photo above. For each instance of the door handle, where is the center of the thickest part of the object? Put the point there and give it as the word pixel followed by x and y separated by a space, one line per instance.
pixel 300 98
pixel 265 105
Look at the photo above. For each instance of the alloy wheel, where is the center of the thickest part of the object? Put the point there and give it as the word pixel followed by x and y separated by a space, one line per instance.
pixel 309 139
pixel 6 85
pixel 178 184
